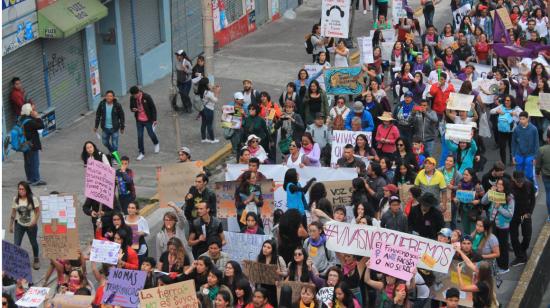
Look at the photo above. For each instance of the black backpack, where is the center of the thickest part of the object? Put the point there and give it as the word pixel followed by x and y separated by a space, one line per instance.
pixel 429 277
pixel 309 44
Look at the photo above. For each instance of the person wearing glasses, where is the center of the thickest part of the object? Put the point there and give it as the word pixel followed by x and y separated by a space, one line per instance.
pixel 174 224
pixel 256 149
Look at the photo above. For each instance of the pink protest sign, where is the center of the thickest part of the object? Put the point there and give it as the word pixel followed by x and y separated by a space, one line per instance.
pixel 393 260
pixel 100 182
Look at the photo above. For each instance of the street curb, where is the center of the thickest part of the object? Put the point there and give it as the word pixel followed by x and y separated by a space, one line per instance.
pixel 218 155
pixel 535 277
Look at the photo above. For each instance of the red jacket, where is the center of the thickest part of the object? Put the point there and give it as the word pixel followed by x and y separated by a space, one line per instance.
pixel 132 262
pixel 440 97
pixel 17 98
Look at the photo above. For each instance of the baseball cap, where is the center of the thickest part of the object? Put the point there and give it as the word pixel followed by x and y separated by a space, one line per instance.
pixel 466 237
pixel 238 95
pixel 391 187
pixel 180 52
pixel 446 232
pixel 431 160
pixel 394 199
pixel 185 150
pixel 408 94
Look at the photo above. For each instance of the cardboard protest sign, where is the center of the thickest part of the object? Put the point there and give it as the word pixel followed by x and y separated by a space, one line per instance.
pixel 458 132
pixel 123 287
pixel 225 198
pixel 100 182
pixel 242 246
pixel 335 18
pixel 260 272
pixel 343 80
pixel 399 262
pixel 465 196
pixel 504 16
pixel 532 106
pixel 175 180
pixel 72 301
pixel 338 192
pixel 448 214
pixel 16 262
pixel 386 48
pixel 497 197
pixel 544 101
pixel 176 295
pixel 104 252
pixel 445 282
pixel 458 101
pixel 33 297
pixel 340 138
pixel 360 240
pixel 296 287
pixel 59 226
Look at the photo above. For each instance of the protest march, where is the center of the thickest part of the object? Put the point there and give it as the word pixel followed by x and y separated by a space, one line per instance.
pixel 366 182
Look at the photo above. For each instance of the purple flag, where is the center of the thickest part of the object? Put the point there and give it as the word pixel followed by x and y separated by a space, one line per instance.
pixel 508 49
pixel 499 31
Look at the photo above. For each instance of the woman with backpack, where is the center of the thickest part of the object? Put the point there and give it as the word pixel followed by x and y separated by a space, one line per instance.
pixel 508 116
pixel 315 245
pixel 25 210
pixel 338 113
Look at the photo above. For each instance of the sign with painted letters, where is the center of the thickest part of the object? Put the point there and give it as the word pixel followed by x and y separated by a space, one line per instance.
pixel 16 262
pixel 366 49
pixel 399 262
pixel 343 80
pixel 313 69
pixel 458 101
pixel 123 287
pixel 360 240
pixel 100 182
pixel 176 295
pixel 458 15
pixel 33 297
pixel 242 246
pixel 335 18
pixel 458 132
pixel 340 138
pixel 465 196
pixel 104 252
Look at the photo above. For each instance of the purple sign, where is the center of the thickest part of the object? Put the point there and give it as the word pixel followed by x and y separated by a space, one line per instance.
pixel 123 287
pixel 16 262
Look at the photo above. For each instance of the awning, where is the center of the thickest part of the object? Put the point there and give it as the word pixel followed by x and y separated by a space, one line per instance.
pixel 66 17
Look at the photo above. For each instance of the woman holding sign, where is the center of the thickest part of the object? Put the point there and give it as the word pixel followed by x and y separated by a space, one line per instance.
pixel 468 197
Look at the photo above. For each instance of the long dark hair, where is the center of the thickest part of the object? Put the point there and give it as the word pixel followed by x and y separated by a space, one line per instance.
pixel 28 191
pixel 244 285
pixel 274 254
pixel 202 87
pixel 96 154
pixel 306 275
pixel 291 176
pixel 348 295
pixel 243 186
pixel 237 275
pixel 318 87
pixel 409 176
pixel 364 137
pixel 317 192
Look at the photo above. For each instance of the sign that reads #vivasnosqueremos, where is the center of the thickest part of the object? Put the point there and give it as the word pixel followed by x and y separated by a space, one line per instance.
pixel 361 239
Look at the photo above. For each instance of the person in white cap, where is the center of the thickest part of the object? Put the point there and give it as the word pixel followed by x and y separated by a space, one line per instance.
pixel 184 155
pixel 235 134
pixel 256 150
pixel 31 123
pixel 183 79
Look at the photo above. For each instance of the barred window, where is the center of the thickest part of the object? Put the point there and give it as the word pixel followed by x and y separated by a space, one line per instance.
pixel 233 10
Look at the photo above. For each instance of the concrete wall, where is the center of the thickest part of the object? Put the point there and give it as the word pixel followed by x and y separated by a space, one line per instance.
pixel 536 275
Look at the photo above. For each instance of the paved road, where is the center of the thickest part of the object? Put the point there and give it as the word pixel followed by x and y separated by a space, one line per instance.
pixel 271 57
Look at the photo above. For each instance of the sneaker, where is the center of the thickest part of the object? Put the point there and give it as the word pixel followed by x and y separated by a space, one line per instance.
pixel 36 264
pixel 157 147
pixel 214 141
pixel 140 156
pixel 370 7
pixel 205 140
pixel 518 261
pixel 364 12
pixel 39 183
pixel 501 271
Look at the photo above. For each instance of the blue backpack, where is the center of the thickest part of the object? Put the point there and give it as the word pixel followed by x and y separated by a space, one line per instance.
pixel 505 122
pixel 17 136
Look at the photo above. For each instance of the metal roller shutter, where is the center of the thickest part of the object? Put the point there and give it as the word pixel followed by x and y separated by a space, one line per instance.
pixel 262 15
pixel 128 43
pixel 233 10
pixel 147 20
pixel 66 77
pixel 27 64
pixel 187 26
pixel 283 6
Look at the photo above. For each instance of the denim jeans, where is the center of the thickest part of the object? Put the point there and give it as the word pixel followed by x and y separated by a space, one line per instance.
pixel 150 132
pixel 32 232
pixel 429 148
pixel 109 138
pixel 546 181
pixel 206 125
pixel 429 11
pixel 32 165
pixel 183 89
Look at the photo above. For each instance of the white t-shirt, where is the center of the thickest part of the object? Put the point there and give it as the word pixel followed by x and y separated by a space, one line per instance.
pixel 341 61
pixel 334 111
pixel 295 164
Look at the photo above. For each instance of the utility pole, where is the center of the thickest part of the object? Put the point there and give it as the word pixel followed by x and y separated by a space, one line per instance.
pixel 208 36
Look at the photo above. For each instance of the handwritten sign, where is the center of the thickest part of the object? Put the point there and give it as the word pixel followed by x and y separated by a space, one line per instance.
pixel 532 106
pixel 175 180
pixel 360 240
pixel 59 226
pixel 225 198
pixel 123 287
pixel 33 297
pixel 325 295
pixel 104 252
pixel 176 295
pixel 339 192
pixel 366 49
pixel 445 282
pixel 458 101
pixel 260 272
pixel 241 246
pixel 296 287
pixel 458 132
pixel 335 18
pixel 313 69
pixel 100 182
pixel 340 138
pixel 465 196
pixel 544 101
pixel 395 261
pixel 16 262
pixel 72 301
pixel 398 11
pixel 343 80
pixel 497 197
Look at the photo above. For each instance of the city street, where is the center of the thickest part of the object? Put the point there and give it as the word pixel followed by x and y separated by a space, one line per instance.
pixel 270 56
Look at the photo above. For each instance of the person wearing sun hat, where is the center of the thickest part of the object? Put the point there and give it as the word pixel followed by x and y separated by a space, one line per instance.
pixel 386 135
pixel 255 148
